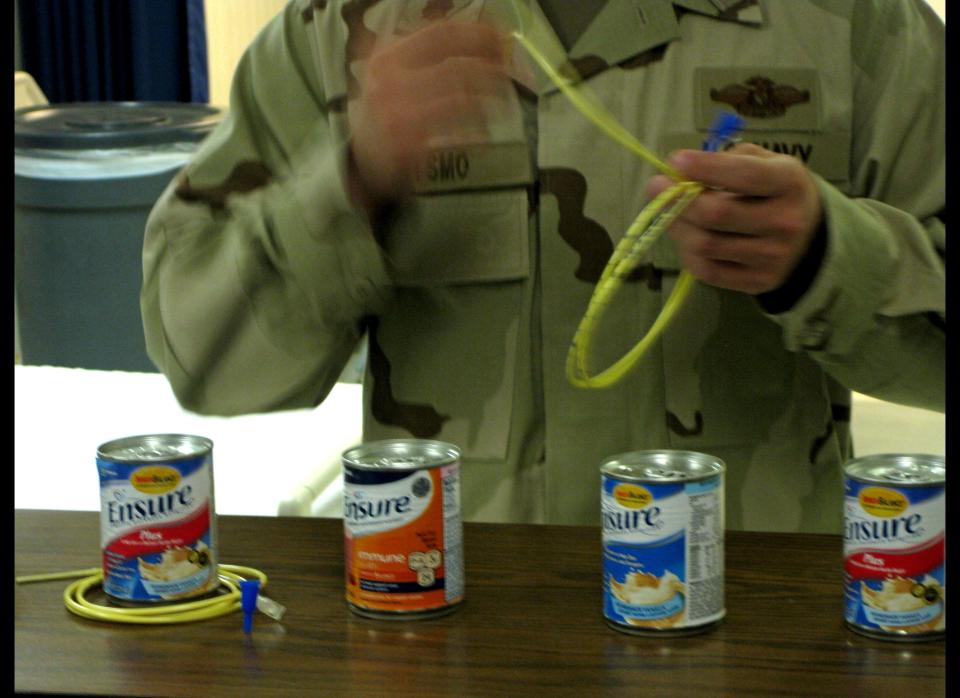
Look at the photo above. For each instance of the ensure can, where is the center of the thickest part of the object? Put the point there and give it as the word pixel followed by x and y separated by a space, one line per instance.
pixel 663 531
pixel 894 546
pixel 403 534
pixel 158 533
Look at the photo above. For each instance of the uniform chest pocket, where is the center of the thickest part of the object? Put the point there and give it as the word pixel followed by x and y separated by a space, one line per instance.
pixel 445 354
pixel 462 238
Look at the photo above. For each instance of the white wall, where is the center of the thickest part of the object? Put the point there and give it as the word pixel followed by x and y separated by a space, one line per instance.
pixel 231 25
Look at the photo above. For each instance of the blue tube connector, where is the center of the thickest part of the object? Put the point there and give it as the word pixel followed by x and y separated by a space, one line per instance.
pixel 249 590
pixel 725 126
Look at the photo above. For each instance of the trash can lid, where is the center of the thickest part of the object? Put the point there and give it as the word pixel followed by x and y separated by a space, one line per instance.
pixel 102 125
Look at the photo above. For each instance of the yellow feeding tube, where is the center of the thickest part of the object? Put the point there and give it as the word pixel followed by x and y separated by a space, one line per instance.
pixel 636 242
pixel 227 601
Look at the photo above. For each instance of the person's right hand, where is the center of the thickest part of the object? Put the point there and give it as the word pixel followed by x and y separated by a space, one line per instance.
pixel 423 90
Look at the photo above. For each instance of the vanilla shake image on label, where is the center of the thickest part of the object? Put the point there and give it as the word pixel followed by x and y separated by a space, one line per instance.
pixel 663 533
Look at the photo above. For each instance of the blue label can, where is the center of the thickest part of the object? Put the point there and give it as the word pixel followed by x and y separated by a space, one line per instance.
pixel 663 533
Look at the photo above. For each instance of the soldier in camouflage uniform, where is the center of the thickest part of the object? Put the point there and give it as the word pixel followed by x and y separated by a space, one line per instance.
pixel 466 248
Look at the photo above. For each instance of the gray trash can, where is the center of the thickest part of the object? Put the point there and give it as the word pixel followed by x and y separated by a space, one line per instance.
pixel 86 176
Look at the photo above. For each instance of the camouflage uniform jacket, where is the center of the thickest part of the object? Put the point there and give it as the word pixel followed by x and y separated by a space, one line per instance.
pixel 260 277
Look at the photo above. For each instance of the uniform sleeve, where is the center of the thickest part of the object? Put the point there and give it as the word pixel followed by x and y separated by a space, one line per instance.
pixel 257 271
pixel 874 316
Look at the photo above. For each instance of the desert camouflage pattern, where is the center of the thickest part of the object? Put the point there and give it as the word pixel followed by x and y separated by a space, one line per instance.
pixel 260 279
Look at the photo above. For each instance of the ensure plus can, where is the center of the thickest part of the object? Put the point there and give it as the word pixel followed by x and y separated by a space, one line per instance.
pixel 402 528
pixel 894 546
pixel 663 530
pixel 158 533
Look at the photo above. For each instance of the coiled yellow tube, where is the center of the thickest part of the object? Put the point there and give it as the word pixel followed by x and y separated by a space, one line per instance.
pixel 632 248
pixel 74 598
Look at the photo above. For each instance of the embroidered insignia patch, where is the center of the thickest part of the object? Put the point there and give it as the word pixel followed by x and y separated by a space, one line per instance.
pixel 760 97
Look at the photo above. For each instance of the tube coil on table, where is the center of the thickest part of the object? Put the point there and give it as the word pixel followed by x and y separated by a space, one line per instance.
pixel 74 598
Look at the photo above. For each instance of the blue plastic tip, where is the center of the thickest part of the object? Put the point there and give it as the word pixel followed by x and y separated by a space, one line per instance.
pixel 249 590
pixel 725 126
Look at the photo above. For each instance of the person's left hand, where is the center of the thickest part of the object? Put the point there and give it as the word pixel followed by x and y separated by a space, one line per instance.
pixel 752 227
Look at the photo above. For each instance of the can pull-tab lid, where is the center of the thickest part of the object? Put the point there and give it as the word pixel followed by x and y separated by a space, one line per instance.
pixel 660 473
pixel 905 475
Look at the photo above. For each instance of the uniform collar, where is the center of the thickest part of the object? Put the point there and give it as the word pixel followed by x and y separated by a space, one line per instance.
pixel 626 31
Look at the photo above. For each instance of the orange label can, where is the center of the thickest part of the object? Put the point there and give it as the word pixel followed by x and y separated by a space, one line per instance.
pixel 403 533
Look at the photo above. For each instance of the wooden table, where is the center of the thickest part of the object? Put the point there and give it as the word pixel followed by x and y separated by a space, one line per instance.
pixel 532 625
